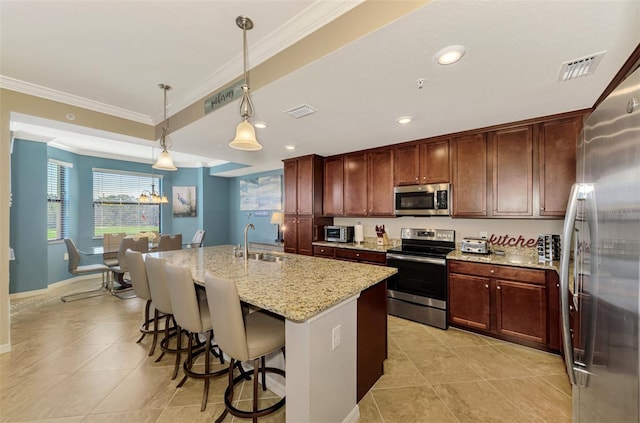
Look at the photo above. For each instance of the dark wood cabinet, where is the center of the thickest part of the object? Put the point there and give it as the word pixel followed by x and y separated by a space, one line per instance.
pixel 506 302
pixel 355 184
pixel 322 251
pixel 303 183
pixel 469 303
pixel 371 337
pixel 359 184
pixel 422 163
pixel 350 254
pixel 469 176
pixel 333 200
pixel 380 183
pixel 557 163
pixel 512 168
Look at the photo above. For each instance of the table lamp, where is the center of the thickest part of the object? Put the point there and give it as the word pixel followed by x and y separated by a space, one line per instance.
pixel 277 218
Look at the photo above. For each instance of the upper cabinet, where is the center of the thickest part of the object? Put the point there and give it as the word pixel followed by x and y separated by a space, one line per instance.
pixel 469 176
pixel 557 163
pixel 359 184
pixel 422 163
pixel 530 170
pixel 512 166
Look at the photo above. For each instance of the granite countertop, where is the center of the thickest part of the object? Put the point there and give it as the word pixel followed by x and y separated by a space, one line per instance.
pixel 298 287
pixel 509 259
pixel 369 244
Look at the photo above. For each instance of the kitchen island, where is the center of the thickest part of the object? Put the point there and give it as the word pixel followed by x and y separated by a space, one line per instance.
pixel 319 299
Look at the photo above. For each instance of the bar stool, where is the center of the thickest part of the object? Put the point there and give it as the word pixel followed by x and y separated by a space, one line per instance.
pixel 193 316
pixel 140 284
pixel 158 286
pixel 249 337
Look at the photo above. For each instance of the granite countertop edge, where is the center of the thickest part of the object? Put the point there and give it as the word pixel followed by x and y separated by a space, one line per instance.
pixel 505 260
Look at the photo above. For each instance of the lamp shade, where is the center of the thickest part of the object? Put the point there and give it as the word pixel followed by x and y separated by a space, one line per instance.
pixel 245 138
pixel 165 162
pixel 277 218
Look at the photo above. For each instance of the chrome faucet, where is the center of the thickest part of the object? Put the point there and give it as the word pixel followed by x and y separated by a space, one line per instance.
pixel 246 244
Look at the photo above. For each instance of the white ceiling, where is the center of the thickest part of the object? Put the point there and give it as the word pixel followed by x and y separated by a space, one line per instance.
pixel 110 56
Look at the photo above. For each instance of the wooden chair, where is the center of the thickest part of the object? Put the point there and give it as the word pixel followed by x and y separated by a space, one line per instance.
pixel 170 242
pixel 75 269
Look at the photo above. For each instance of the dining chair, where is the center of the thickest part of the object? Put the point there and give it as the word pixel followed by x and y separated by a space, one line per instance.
pixel 170 242
pixel 135 244
pixel 76 269
pixel 140 284
pixel 110 244
pixel 192 315
pixel 198 239
pixel 243 337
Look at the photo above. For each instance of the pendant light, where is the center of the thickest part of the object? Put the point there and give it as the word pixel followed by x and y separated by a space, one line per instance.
pixel 245 132
pixel 165 162
pixel 153 197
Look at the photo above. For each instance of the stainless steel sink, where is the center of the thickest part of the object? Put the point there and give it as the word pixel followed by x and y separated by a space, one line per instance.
pixel 264 257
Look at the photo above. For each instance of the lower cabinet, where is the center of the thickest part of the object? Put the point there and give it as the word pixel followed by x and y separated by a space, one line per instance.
pixel 350 254
pixel 511 303
pixel 372 337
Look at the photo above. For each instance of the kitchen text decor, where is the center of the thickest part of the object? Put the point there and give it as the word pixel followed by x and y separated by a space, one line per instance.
pixel 512 241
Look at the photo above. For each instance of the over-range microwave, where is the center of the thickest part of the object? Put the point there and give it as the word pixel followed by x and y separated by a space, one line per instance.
pixel 423 200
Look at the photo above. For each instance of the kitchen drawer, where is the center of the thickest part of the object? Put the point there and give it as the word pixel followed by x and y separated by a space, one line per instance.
pixel 322 251
pixel 361 255
pixel 533 276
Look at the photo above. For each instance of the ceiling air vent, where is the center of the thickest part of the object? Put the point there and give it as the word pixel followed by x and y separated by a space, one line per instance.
pixel 300 111
pixel 578 68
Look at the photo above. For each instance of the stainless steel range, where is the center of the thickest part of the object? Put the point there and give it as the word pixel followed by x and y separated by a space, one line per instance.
pixel 419 290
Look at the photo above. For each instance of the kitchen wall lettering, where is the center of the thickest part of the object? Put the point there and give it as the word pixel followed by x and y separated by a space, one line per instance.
pixel 507 241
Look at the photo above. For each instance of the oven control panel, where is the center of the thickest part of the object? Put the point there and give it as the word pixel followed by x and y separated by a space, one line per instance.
pixel 448 235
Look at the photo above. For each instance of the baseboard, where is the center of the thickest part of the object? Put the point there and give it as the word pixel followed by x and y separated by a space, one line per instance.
pixel 5 348
pixel 277 387
pixel 353 416
pixel 54 285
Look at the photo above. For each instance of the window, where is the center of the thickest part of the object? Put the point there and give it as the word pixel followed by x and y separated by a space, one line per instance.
pixel 115 202
pixel 57 200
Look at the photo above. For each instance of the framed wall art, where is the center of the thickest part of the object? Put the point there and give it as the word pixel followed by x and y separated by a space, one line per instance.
pixel 184 201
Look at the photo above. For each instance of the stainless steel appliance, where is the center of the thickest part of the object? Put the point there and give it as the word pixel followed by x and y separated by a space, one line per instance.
pixel 602 227
pixel 419 290
pixel 338 233
pixel 475 246
pixel 422 200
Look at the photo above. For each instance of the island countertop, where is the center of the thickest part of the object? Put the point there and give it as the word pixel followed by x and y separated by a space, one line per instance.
pixel 297 288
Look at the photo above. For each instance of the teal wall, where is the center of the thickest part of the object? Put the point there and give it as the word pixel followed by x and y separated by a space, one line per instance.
pixel 265 231
pixel 28 216
pixel 39 263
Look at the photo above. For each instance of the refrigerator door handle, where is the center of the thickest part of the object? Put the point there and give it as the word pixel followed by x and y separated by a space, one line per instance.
pixel 569 222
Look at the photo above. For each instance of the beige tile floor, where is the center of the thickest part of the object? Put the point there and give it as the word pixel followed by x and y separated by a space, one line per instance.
pixel 78 362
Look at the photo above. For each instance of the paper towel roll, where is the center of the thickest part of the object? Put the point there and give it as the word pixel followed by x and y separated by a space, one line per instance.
pixel 358 233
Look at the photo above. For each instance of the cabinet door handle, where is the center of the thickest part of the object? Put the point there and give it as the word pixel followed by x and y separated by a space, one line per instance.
pixel 499 287
pixel 417 179
pixel 486 285
pixel 357 254
pixel 542 208
pixel 492 270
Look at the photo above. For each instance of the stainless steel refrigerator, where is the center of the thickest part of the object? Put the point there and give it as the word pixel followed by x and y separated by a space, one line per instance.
pixel 600 263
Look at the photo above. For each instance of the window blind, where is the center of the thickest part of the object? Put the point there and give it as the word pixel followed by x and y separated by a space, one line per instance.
pixel 57 200
pixel 115 202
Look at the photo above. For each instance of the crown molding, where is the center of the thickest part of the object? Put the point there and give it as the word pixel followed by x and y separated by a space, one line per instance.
pixel 73 100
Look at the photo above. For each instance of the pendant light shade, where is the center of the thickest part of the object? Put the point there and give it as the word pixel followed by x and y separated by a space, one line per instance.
pixel 245 132
pixel 165 162
pixel 245 137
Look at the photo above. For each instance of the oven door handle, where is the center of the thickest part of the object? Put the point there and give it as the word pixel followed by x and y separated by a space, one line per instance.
pixel 440 262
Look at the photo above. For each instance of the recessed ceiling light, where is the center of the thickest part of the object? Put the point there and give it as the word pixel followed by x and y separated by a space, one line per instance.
pixel 290 147
pixel 260 125
pixel 449 55
pixel 70 116
pixel 404 120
